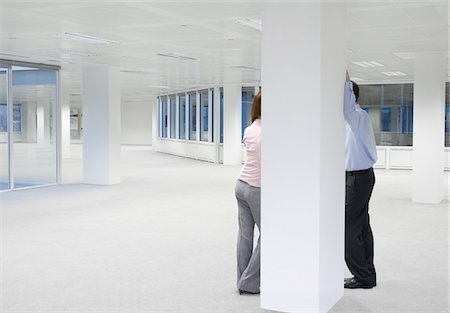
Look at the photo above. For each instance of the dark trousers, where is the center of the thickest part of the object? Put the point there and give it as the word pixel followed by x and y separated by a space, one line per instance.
pixel 358 234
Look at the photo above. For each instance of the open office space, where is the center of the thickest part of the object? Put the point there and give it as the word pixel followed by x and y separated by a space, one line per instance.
pixel 121 139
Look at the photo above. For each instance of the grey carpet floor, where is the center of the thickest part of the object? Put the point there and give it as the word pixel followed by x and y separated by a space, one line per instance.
pixel 164 241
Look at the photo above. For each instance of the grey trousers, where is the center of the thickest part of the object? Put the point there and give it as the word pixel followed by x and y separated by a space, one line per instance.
pixel 248 260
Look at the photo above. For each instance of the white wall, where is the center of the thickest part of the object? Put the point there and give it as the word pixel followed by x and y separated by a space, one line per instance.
pixel 401 158
pixel 136 123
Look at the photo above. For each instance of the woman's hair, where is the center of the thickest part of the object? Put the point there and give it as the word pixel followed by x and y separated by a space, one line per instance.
pixel 256 107
pixel 356 90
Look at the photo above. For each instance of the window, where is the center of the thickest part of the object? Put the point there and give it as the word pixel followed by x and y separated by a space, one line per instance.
pixel 17 118
pixel 212 116
pixel 221 115
pixel 182 118
pixel 163 105
pixel 385 119
pixel 248 94
pixel 447 114
pixel 390 108
pixel 204 115
pixel 192 116
pixel 173 116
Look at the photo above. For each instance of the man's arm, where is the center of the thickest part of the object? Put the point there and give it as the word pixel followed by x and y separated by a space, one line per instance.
pixel 351 115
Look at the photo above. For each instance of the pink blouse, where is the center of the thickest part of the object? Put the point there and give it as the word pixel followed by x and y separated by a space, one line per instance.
pixel 251 171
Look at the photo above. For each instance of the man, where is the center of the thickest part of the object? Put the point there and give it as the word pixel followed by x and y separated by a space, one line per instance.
pixel 360 155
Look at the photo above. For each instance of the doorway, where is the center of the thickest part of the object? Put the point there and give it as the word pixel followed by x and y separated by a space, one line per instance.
pixel 28 125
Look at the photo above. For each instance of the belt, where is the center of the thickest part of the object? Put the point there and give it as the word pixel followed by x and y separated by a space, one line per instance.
pixel 359 171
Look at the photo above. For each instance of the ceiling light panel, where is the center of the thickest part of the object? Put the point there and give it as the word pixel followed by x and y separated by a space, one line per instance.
pixel 245 68
pixel 368 64
pixel 70 53
pixel 177 56
pixel 86 38
pixel 138 72
pixel 252 23
pixel 395 74
pixel 405 55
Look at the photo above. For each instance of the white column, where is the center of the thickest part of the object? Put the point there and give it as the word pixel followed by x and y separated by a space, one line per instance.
pixel 155 124
pixel 428 128
pixel 232 111
pixel 303 174
pixel 101 120
pixel 65 121
pixel 216 118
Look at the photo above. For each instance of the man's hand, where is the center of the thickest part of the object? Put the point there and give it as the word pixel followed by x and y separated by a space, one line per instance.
pixel 347 76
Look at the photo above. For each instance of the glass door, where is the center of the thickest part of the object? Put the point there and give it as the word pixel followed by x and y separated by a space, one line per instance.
pixel 4 125
pixel 34 126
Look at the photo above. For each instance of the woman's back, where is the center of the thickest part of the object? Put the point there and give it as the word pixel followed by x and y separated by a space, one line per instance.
pixel 251 171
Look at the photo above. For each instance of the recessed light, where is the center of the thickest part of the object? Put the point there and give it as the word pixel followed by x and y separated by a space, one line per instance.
pixel 368 64
pixel 70 53
pixel 138 72
pixel 245 68
pixel 405 55
pixel 176 56
pixel 394 73
pixel 87 38
pixel 254 24
pixel 376 63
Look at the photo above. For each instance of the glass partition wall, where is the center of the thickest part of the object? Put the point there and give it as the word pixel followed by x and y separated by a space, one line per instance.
pixel 28 125
pixel 4 125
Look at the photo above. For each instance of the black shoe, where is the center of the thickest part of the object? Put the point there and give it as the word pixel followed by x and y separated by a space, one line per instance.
pixel 355 283
pixel 350 278
pixel 243 292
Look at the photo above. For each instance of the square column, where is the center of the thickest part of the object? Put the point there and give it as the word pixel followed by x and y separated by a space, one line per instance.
pixel 65 121
pixel 232 111
pixel 303 156
pixel 155 123
pixel 101 132
pixel 428 128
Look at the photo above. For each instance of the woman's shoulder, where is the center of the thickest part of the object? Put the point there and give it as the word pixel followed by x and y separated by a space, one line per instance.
pixel 253 130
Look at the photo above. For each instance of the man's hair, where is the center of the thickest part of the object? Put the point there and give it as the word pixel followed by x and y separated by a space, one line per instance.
pixel 356 90
pixel 256 107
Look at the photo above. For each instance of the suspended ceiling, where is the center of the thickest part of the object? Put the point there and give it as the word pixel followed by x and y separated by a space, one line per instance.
pixel 214 46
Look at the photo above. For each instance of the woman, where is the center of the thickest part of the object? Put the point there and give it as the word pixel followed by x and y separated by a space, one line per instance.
pixel 248 195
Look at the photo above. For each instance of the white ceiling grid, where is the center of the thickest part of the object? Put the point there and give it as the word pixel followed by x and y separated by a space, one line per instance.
pixel 386 32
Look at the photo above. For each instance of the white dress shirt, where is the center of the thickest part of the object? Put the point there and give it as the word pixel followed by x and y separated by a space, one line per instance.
pixel 360 146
